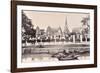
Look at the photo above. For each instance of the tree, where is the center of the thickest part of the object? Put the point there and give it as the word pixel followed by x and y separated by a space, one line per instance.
pixel 85 26
pixel 27 29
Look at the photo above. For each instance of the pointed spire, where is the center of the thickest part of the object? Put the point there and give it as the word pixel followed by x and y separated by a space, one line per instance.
pixel 66 30
pixel 60 30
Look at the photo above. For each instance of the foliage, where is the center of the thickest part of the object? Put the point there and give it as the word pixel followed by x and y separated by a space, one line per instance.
pixel 27 28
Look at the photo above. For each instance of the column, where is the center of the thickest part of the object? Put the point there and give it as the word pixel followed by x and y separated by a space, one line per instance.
pixel 55 38
pixel 73 38
pixel 80 37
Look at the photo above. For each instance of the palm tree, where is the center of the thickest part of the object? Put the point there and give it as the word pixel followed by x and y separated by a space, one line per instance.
pixel 85 27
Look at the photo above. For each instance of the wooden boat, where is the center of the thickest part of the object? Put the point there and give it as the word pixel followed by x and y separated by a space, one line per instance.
pixel 69 57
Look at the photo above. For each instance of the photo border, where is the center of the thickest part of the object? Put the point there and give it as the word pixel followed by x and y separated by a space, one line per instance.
pixel 46 4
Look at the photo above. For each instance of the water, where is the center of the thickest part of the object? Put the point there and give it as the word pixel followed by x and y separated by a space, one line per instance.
pixel 37 54
pixel 46 58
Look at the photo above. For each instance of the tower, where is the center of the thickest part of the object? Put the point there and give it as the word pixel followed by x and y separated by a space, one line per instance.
pixel 66 30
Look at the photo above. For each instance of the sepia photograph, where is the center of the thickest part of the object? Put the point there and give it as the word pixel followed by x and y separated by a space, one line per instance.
pixel 55 36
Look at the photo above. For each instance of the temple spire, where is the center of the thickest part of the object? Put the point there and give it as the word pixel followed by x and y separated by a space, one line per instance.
pixel 66 30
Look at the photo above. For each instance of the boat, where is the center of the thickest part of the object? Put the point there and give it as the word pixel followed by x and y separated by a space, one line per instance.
pixel 69 57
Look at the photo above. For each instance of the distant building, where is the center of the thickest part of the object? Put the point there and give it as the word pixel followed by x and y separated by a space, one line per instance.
pixel 54 33
pixel 78 34
pixel 40 33
pixel 37 32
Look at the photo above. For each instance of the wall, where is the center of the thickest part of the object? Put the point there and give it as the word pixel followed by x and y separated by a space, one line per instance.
pixel 5 37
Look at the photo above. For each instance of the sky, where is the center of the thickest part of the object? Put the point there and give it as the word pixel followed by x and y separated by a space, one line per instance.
pixel 55 19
